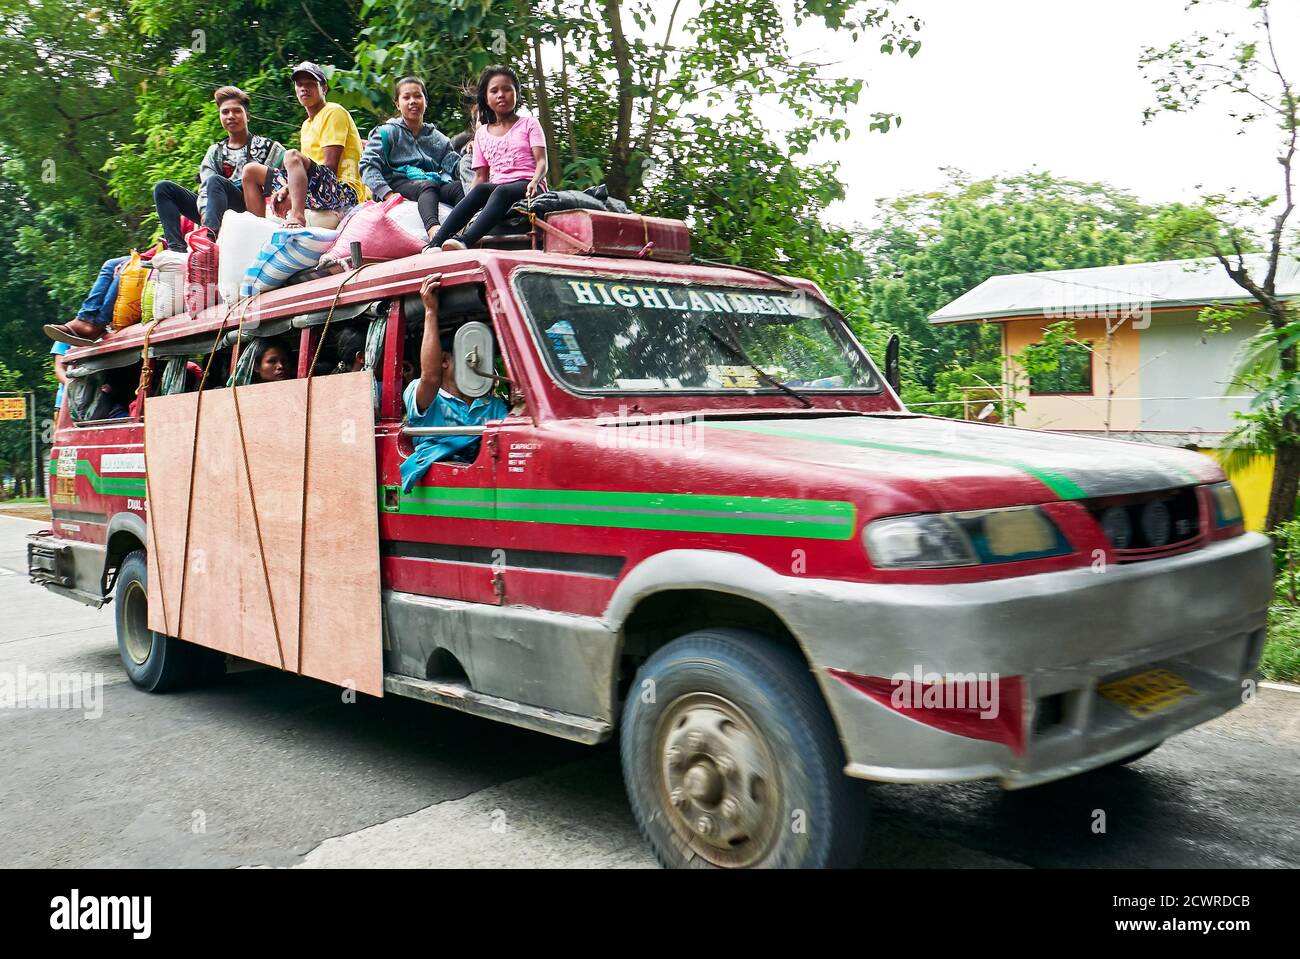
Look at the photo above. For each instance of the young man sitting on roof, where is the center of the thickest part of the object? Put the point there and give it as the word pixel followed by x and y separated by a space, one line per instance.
pixel 324 174
pixel 220 173
pixel 219 190
pixel 435 400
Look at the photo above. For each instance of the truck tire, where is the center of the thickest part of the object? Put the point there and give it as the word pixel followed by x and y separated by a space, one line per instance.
pixel 154 662
pixel 731 760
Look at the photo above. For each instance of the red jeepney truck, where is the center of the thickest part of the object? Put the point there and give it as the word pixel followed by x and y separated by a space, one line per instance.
pixel 707 526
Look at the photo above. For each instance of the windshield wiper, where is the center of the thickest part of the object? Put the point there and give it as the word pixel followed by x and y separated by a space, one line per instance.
pixel 737 352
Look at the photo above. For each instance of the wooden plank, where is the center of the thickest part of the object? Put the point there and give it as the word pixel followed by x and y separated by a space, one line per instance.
pixel 241 575
pixel 169 434
pixel 341 628
pixel 227 604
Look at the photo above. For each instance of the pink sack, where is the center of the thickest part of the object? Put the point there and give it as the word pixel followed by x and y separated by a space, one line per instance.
pixel 200 273
pixel 383 234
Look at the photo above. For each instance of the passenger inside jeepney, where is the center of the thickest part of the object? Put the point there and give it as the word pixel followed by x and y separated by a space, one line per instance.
pixel 350 347
pixel 109 395
pixel 274 364
pixel 434 399
pixel 355 342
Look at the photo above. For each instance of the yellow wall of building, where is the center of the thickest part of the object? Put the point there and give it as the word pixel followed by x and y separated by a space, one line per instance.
pixel 1252 485
pixel 1088 413
pixel 1079 412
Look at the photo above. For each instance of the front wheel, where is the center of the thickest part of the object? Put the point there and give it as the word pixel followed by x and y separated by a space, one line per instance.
pixel 154 662
pixel 731 759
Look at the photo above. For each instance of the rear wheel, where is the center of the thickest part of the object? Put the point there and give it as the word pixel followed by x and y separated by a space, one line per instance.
pixel 731 759
pixel 154 662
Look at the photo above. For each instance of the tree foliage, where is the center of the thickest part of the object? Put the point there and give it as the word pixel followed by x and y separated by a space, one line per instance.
pixel 100 99
pixel 707 116
pixel 930 248
pixel 1242 71
pixel 24 357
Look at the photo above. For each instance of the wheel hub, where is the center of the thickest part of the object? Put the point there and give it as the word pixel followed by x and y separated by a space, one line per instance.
pixel 703 784
pixel 135 622
pixel 721 779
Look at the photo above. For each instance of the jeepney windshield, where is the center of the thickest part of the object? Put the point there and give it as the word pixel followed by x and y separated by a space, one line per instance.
pixel 609 335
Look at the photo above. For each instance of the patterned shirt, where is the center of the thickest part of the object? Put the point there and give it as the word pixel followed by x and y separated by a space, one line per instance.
pixel 222 160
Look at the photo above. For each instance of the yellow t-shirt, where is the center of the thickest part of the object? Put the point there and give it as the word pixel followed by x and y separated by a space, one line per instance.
pixel 333 127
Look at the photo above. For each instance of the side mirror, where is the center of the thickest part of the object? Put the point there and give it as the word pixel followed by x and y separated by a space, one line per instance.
pixel 891 363
pixel 474 359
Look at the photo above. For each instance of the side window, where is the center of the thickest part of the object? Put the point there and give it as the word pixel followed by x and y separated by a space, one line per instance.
pixel 353 346
pixel 356 329
pixel 457 305
pixel 98 394
pixel 1068 372
pixel 178 367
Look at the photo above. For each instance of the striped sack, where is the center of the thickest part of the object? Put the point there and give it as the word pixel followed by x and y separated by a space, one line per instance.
pixel 286 253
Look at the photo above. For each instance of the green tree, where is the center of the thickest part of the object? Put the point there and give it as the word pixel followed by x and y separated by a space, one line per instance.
pixel 672 113
pixel 64 110
pixel 100 99
pixel 930 248
pixel 1186 75
pixel 24 352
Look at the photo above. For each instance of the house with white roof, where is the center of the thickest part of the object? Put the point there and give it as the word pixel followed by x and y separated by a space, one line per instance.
pixel 1142 364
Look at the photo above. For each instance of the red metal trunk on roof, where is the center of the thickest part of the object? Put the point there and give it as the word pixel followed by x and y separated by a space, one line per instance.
pixel 618 234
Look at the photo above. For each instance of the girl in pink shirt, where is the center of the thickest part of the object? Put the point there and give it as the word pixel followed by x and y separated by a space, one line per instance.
pixel 509 162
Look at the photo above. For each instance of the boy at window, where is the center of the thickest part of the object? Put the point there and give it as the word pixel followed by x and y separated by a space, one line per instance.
pixel 435 400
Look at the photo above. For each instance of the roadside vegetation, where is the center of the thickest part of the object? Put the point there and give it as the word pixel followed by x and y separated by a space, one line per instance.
pixel 1281 660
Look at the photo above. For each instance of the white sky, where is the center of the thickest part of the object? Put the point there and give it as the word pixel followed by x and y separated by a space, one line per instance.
pixel 1001 86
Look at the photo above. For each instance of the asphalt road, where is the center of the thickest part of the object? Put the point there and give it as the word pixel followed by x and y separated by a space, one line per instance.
pixel 266 769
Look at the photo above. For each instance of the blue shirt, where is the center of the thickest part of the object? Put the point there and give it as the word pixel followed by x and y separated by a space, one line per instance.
pixel 446 410
pixel 58 349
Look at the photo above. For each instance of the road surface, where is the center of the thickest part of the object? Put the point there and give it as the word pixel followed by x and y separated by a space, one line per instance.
pixel 267 769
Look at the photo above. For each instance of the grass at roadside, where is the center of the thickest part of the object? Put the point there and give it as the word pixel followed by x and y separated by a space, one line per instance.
pixel 1281 659
pixel 23 501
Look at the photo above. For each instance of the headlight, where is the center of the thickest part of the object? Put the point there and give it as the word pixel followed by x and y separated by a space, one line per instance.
pixel 1227 509
pixel 931 540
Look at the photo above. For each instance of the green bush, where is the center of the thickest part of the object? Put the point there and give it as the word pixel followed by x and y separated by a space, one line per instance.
pixel 1281 659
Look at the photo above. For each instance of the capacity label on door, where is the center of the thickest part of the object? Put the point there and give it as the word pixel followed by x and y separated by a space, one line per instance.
pixel 67 461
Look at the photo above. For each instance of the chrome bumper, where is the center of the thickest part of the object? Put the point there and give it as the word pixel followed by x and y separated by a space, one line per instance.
pixel 1202 615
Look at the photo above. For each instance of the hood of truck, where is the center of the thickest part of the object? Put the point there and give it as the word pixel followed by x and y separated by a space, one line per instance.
pixel 954 464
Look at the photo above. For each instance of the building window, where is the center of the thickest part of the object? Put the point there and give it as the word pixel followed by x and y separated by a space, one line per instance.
pixel 1071 373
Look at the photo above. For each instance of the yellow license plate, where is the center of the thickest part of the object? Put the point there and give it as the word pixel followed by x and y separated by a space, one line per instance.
pixel 1147 693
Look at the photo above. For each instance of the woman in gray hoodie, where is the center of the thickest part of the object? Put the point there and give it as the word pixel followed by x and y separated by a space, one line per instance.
pixel 412 158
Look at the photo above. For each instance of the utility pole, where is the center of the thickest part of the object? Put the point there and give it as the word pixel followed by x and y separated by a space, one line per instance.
pixel 38 476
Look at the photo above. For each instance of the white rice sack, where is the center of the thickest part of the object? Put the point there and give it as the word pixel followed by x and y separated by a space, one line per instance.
pixel 169 269
pixel 240 240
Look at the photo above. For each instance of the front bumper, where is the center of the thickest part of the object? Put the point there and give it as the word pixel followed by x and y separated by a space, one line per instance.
pixel 1201 615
